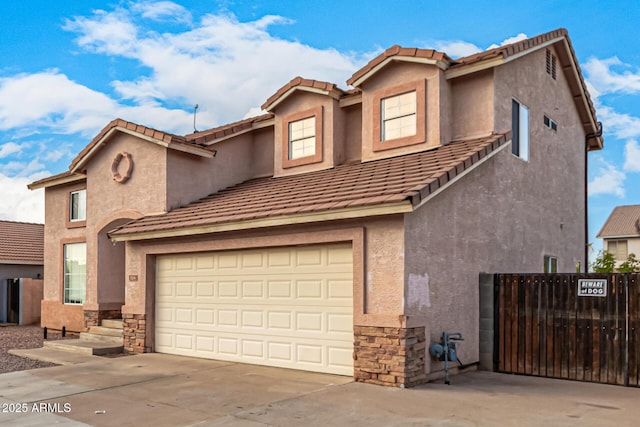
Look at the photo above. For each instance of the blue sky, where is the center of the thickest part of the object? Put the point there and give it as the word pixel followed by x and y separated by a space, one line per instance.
pixel 68 68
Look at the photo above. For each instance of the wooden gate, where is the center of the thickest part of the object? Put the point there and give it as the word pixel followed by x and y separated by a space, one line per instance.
pixel 545 326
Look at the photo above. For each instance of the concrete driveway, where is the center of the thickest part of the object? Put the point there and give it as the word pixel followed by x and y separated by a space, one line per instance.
pixel 163 390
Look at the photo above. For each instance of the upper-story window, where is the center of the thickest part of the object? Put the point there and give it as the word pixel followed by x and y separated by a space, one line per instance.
pixel 78 205
pixel 302 138
pixel 520 130
pixel 398 116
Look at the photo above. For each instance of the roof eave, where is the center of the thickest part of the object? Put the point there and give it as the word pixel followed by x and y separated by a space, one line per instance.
pixel 80 163
pixel 403 206
pixel 270 106
pixel 21 262
pixel 53 181
pixel 429 61
pixel 255 126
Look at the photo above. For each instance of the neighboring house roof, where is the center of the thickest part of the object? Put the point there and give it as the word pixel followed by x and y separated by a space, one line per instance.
pixel 393 185
pixel 21 243
pixel 624 221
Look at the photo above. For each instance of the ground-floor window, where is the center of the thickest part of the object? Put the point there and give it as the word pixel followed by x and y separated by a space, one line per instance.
pixel 550 264
pixel 75 273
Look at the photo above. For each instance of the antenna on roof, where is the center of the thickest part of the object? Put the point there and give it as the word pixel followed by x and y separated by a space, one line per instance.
pixel 195 111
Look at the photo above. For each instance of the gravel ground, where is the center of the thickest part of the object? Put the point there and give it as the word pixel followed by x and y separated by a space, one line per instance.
pixel 12 337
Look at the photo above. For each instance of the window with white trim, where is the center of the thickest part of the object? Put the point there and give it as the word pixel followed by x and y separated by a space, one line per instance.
pixel 78 205
pixel 398 116
pixel 550 264
pixel 75 273
pixel 618 248
pixel 302 138
pixel 520 130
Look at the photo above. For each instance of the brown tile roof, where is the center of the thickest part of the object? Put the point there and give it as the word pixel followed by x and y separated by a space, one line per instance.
pixel 578 87
pixel 623 221
pixel 203 137
pixel 399 51
pixel 61 177
pixel 166 137
pixel 411 177
pixel 511 49
pixel 300 82
pixel 21 243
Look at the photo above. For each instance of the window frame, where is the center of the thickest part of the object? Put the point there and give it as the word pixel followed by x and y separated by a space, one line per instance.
pixel 80 222
pixel 520 138
pixel 617 242
pixel 66 288
pixel 316 113
pixel 420 88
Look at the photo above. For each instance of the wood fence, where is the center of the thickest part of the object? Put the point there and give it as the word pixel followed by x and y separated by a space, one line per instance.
pixel 583 327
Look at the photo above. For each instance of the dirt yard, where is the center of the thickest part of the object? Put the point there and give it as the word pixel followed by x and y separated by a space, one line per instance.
pixel 12 337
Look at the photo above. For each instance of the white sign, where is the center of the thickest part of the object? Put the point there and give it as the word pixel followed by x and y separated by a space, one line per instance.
pixel 592 287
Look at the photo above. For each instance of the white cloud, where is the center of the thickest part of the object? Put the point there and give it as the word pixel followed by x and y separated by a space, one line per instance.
pixel 510 40
pixel 456 48
pixel 621 125
pixel 162 11
pixel 603 75
pixel 632 156
pixel 51 100
pixel 18 202
pixel 9 148
pixel 608 180
pixel 116 27
pixel 226 66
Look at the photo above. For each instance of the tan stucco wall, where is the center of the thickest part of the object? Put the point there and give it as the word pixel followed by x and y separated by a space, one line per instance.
pixel 30 298
pixel 395 74
pixel 190 177
pixel 472 105
pixel 353 132
pixel 504 216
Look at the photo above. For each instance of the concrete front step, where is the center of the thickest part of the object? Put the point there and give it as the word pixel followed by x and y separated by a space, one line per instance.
pixel 106 331
pixel 94 348
pixel 112 323
pixel 101 338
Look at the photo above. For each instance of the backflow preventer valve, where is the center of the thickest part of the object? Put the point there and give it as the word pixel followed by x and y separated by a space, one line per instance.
pixel 446 350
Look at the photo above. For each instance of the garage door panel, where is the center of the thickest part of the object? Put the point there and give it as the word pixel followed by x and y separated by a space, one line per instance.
pixel 287 307
pixel 252 289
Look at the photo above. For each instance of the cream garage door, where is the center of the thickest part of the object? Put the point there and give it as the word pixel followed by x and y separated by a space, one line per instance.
pixel 289 307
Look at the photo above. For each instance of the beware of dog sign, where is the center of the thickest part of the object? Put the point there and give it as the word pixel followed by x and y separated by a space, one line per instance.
pixel 592 287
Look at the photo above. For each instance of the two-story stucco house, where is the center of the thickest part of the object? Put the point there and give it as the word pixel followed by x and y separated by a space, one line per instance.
pixel 343 230
pixel 621 233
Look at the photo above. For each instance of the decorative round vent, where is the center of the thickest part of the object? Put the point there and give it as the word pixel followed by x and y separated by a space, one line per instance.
pixel 116 167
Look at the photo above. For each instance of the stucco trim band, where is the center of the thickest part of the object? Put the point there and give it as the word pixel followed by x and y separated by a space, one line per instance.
pixel 347 213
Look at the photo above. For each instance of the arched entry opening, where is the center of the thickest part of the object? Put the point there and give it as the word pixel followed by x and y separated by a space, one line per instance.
pixel 110 276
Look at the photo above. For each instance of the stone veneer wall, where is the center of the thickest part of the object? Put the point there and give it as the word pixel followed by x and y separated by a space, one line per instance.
pixel 134 333
pixel 390 356
pixel 94 317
